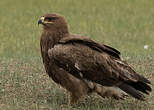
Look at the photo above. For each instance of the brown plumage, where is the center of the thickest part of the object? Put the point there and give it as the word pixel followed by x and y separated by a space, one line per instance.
pixel 82 65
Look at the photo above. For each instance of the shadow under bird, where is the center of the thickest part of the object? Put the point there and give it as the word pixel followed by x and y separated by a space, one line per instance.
pixel 82 66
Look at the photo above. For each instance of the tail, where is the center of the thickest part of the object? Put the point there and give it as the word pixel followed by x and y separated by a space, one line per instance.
pixel 135 88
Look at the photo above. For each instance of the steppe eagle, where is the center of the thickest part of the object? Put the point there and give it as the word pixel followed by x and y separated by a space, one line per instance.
pixel 83 66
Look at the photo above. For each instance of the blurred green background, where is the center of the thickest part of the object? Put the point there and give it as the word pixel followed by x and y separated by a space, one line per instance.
pixel 127 25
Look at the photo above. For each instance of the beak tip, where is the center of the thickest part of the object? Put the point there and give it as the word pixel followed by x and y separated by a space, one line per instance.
pixel 40 22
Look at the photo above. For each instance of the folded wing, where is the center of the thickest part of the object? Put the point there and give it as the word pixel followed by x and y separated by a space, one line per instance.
pixel 86 59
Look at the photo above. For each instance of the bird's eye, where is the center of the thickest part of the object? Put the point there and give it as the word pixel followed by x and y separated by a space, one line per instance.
pixel 50 18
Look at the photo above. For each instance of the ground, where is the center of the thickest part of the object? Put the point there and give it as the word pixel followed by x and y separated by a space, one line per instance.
pixel 127 25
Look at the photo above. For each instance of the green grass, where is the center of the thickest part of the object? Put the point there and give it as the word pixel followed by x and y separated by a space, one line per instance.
pixel 127 25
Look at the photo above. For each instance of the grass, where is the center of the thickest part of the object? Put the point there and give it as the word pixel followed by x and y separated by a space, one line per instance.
pixel 124 24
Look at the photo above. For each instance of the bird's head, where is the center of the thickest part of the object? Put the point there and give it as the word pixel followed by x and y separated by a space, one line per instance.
pixel 53 22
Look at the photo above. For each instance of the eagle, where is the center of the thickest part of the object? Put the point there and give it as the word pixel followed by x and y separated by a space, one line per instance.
pixel 82 66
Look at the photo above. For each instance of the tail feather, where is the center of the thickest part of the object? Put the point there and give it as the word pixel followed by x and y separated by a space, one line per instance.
pixel 131 91
pixel 143 87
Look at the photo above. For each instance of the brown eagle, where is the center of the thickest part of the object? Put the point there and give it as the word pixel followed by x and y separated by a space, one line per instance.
pixel 83 66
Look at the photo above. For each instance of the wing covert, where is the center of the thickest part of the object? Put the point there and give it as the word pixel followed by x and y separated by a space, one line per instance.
pixel 92 44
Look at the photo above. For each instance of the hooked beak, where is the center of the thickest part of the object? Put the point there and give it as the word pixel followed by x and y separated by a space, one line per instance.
pixel 41 21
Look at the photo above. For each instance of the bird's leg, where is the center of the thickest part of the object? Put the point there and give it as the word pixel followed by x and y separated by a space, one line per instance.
pixel 73 99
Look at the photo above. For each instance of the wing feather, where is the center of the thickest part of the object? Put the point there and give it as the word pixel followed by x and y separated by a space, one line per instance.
pixel 95 66
pixel 86 59
pixel 92 44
